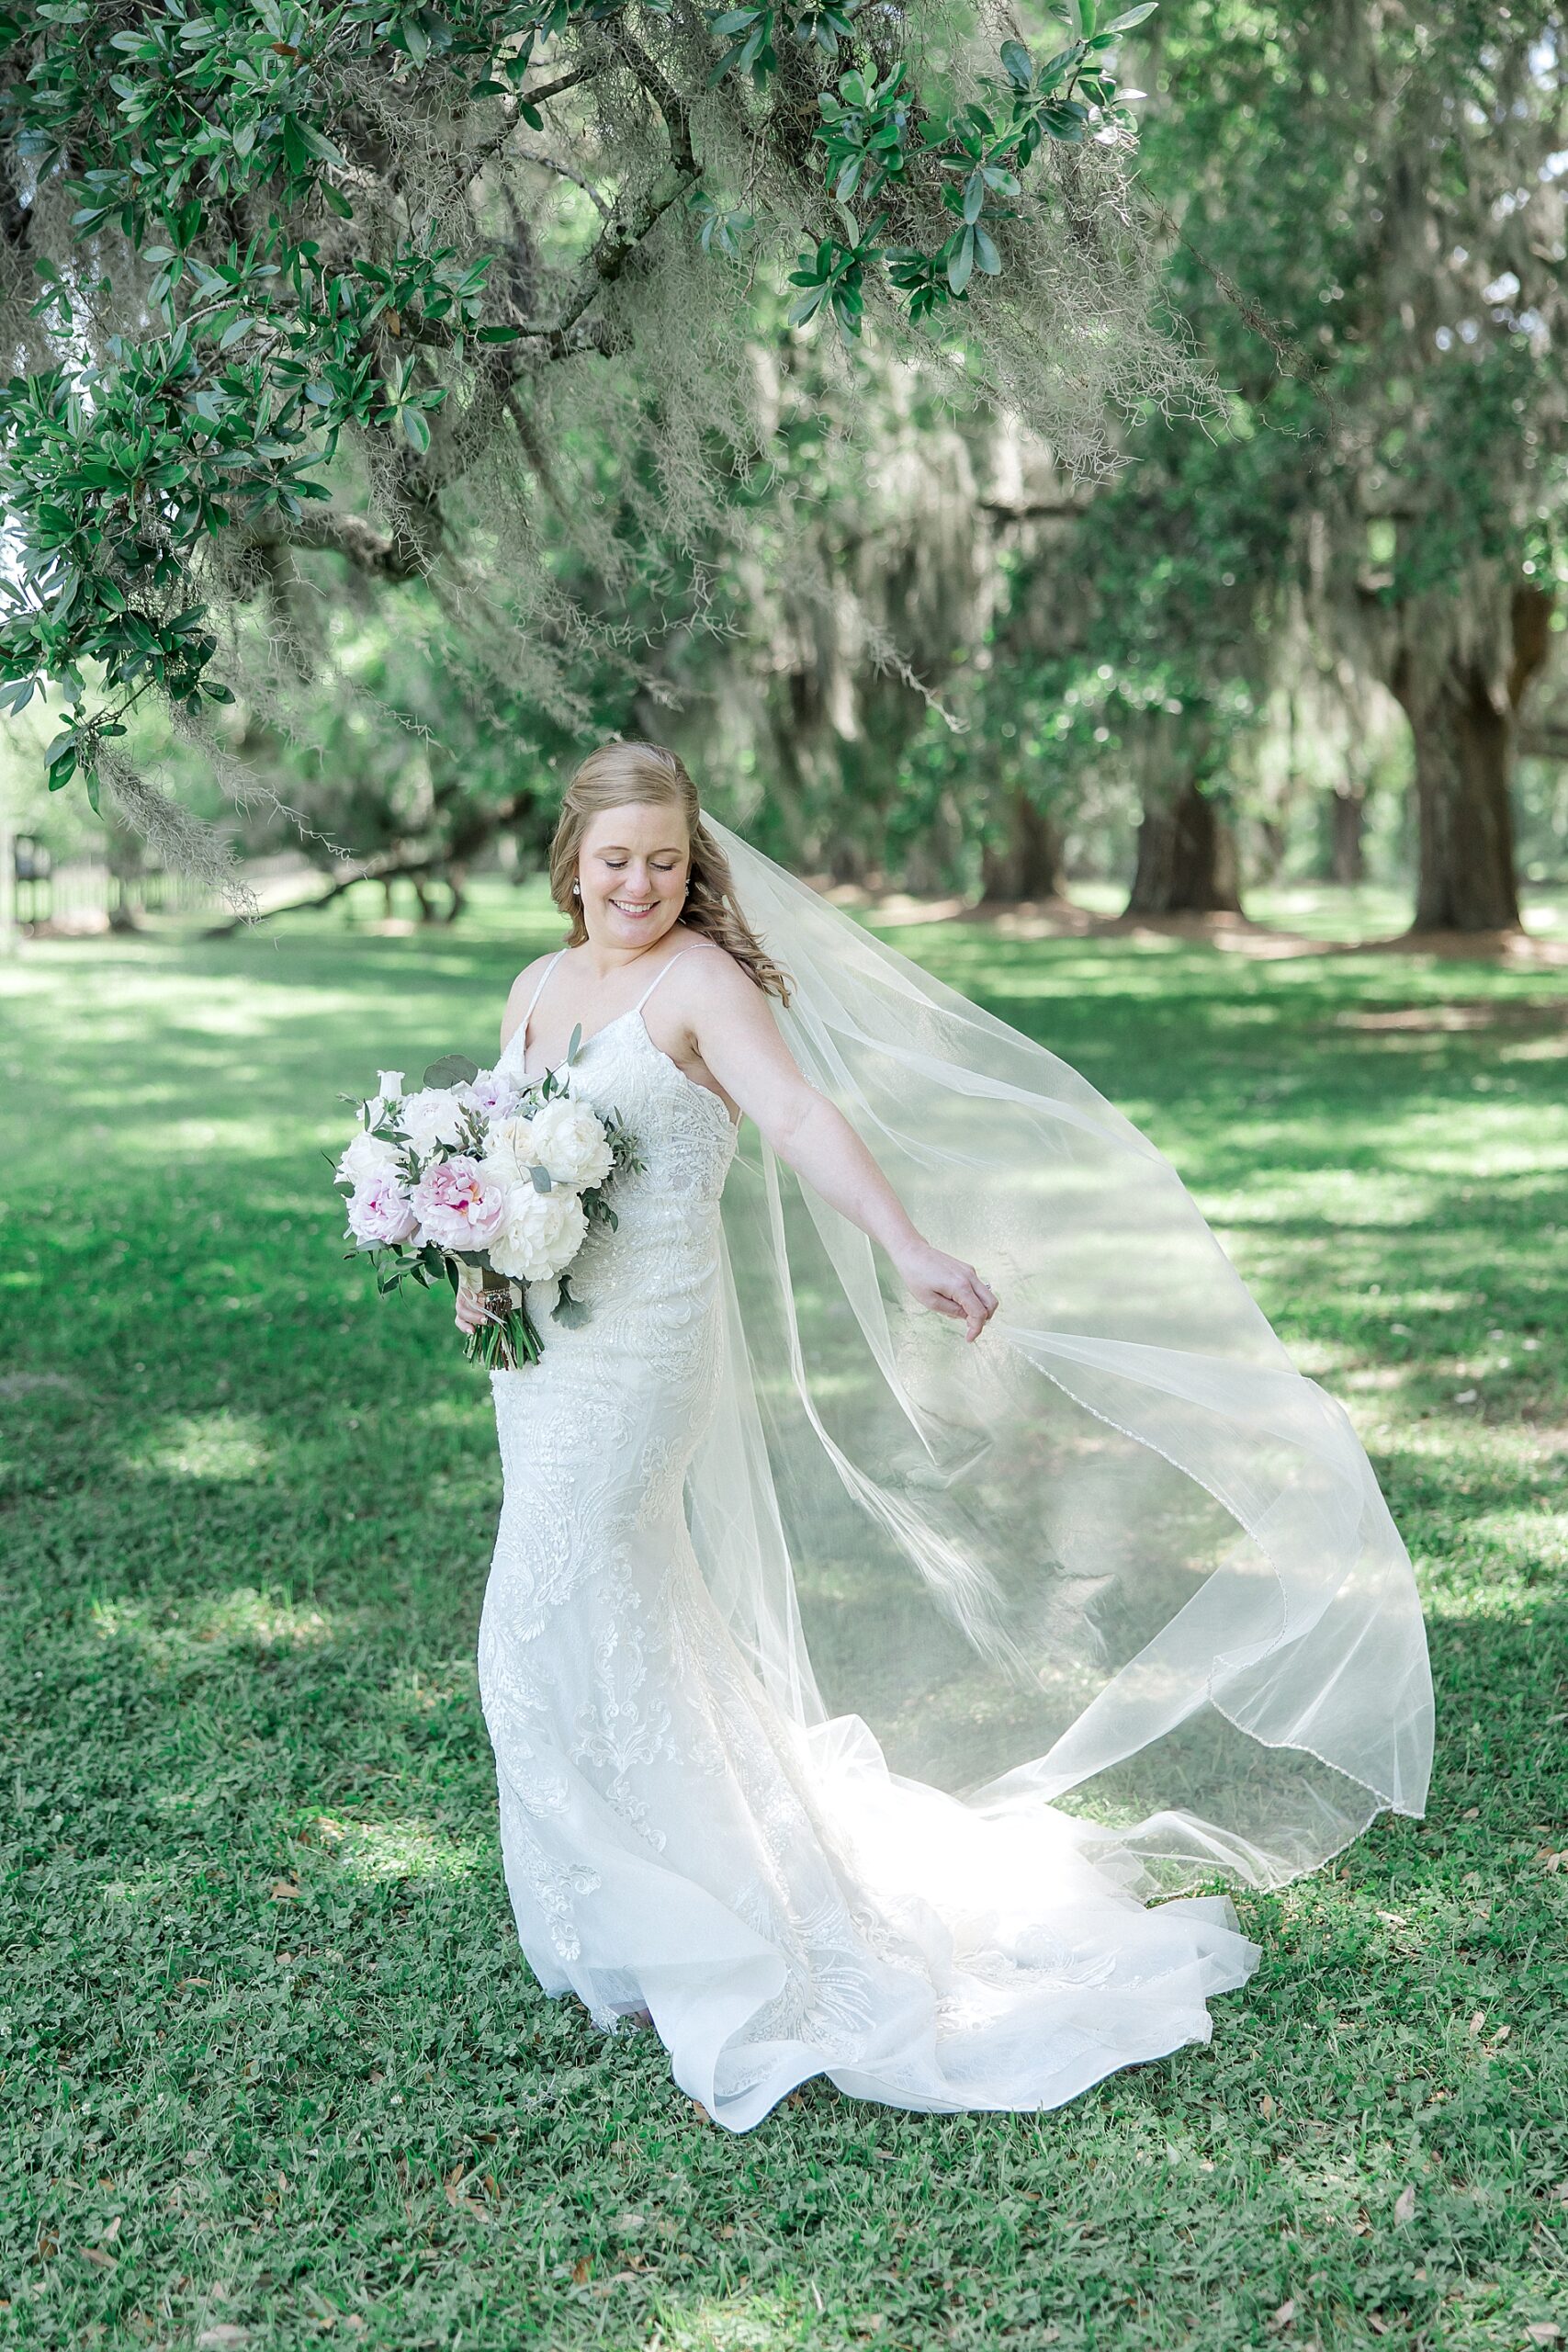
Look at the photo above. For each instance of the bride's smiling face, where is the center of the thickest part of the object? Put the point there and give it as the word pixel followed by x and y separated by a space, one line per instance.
pixel 632 868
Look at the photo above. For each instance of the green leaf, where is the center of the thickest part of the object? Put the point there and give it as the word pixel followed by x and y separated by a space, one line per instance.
pixel 541 1177
pixel 416 432
pixel 452 1069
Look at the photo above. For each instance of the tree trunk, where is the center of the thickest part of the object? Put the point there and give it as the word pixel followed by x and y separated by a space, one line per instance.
pixel 1347 841
pixel 1186 862
pixel 1463 718
pixel 1024 862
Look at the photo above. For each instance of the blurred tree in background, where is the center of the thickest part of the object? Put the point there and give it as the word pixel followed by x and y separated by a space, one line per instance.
pixel 1188 525
pixel 392 283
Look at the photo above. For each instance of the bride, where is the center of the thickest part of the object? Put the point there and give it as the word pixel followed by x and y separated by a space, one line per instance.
pixel 803 1615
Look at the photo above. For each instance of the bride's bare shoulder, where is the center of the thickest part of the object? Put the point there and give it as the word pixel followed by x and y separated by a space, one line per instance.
pixel 719 984
pixel 712 969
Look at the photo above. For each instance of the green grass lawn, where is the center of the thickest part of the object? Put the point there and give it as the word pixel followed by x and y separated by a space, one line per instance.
pixel 274 2071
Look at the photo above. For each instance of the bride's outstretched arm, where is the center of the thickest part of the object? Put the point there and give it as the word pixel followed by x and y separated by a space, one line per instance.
pixel 733 1029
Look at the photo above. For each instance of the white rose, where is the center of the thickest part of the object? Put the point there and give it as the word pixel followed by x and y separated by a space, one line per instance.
pixel 366 1156
pixel 433 1116
pixel 569 1140
pixel 509 1150
pixel 390 1085
pixel 540 1234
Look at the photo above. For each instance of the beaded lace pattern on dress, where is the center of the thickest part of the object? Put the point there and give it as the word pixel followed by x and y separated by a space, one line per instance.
pixel 781 1903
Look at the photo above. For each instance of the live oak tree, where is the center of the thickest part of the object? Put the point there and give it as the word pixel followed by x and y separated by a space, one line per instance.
pixel 1381 190
pixel 377 284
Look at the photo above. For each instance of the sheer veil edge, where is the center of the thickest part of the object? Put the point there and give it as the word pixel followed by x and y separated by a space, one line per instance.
pixel 1119 1549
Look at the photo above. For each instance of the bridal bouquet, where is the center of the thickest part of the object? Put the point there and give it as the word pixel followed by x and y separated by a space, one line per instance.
pixel 474 1170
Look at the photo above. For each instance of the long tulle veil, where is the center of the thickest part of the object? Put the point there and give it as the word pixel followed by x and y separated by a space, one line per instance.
pixel 1118 1552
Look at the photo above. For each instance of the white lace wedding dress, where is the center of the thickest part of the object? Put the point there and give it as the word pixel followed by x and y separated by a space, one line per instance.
pixel 781 1904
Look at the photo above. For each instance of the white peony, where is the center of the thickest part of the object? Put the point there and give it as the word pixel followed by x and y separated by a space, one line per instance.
pixel 493 1094
pixel 509 1150
pixel 366 1156
pixel 569 1140
pixel 432 1117
pixel 540 1234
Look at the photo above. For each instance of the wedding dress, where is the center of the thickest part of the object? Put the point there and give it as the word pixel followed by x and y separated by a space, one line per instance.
pixel 709 1520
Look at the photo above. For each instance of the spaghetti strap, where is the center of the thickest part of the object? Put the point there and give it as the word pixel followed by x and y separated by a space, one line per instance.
pixel 539 992
pixel 657 978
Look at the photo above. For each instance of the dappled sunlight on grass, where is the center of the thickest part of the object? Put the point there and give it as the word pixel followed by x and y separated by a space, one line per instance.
pixel 742 2324
pixel 410 1850
pixel 243 1618
pixel 220 1445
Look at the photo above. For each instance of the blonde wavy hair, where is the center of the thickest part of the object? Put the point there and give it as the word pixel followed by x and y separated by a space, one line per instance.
pixel 620 775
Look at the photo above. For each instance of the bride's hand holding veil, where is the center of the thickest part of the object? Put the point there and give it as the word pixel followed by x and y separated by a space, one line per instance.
pixel 723 1025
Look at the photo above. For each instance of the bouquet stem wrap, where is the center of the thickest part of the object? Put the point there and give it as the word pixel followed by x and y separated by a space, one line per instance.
pixel 509 1338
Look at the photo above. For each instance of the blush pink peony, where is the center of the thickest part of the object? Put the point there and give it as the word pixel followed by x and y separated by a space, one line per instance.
pixel 458 1204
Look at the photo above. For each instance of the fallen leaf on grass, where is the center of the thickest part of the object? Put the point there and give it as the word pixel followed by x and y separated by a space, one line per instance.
pixel 454 2197
pixel 1404 2203
pixel 1544 2331
pixel 581 2271
pixel 1552 1858
pixel 213 2338
pixel 286 1890
pixel 869 2324
pixel 96 2254
pixel 1285 2316
pixel 1377 2322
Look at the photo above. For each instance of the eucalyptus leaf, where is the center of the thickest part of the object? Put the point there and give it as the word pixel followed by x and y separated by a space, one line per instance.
pixel 452 1069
